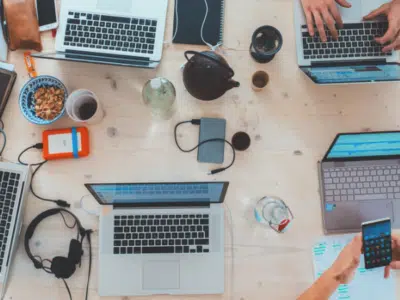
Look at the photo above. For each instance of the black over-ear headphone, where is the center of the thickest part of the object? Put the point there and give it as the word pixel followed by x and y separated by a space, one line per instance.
pixel 62 267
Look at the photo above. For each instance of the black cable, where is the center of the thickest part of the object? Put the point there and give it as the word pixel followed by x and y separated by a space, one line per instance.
pixel 2 124
pixel 65 222
pixel 66 285
pixel 88 233
pixel 4 142
pixel 197 122
pixel 39 146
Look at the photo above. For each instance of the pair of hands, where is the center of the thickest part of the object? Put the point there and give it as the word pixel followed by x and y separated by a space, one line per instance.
pixel 319 12
pixel 345 265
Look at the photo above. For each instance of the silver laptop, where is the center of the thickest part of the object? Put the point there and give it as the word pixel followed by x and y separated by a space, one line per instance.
pixel 360 180
pixel 355 57
pixel 14 188
pixel 161 238
pixel 123 32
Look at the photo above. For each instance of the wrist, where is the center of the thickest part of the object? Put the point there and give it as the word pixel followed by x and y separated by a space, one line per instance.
pixel 333 275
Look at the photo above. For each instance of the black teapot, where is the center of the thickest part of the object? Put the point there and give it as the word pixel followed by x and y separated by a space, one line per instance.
pixel 207 75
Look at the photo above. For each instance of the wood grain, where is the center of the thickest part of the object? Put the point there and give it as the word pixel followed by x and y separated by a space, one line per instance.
pixel 291 124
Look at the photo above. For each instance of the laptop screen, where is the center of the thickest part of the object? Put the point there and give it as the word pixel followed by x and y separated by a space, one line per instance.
pixel 361 145
pixel 353 74
pixel 152 193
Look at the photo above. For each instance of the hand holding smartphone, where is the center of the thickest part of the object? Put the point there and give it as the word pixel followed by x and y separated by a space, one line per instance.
pixel 47 14
pixel 377 243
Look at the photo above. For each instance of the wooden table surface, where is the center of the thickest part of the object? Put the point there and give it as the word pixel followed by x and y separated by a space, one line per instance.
pixel 291 124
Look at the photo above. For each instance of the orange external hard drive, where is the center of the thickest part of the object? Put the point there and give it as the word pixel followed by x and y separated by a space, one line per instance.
pixel 65 143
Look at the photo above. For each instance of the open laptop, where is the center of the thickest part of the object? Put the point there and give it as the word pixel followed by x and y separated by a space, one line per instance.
pixel 360 180
pixel 122 32
pixel 355 57
pixel 161 238
pixel 14 188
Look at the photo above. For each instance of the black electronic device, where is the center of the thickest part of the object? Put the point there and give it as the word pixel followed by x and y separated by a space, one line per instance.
pixel 7 80
pixel 47 14
pixel 377 243
pixel 62 267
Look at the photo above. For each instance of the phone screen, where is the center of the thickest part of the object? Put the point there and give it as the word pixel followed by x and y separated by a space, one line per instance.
pixel 46 12
pixel 377 243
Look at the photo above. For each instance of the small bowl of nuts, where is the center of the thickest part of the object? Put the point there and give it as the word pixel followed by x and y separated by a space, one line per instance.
pixel 42 100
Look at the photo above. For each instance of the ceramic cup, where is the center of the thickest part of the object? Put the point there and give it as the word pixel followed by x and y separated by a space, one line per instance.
pixel 84 106
pixel 259 80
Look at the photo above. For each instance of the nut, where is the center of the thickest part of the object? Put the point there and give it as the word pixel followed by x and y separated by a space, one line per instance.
pixel 48 102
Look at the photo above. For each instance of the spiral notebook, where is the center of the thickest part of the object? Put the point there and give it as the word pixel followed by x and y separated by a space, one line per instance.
pixel 191 15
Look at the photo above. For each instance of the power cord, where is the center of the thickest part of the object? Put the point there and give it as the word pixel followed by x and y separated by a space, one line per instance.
pixel 39 146
pixel 197 122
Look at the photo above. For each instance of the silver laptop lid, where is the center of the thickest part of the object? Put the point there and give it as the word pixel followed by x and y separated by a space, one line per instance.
pixel 156 194
pixel 364 146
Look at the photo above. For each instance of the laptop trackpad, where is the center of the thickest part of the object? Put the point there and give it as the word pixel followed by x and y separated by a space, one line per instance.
pixel 161 275
pixel 115 6
pixel 350 215
pixel 351 14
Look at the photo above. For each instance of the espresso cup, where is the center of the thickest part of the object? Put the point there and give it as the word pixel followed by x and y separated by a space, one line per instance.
pixel 259 80
pixel 83 106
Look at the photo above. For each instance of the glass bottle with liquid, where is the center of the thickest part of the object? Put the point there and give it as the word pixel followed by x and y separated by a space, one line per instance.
pixel 159 94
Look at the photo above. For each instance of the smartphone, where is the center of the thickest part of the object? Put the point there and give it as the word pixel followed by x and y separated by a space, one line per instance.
pixel 212 152
pixel 47 14
pixel 377 243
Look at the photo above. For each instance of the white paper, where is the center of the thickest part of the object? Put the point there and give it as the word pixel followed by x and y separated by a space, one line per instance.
pixel 8 67
pixel 367 284
pixel 3 45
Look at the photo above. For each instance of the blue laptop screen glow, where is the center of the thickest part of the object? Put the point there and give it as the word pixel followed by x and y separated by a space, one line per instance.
pixel 352 74
pixel 159 192
pixel 366 144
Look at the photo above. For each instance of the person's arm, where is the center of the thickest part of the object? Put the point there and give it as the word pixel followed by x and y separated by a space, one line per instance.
pixel 342 271
pixel 395 264
pixel 320 12
pixel 391 39
pixel 322 289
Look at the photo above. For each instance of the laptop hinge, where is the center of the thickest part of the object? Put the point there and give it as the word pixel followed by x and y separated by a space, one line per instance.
pixel 341 63
pixel 162 205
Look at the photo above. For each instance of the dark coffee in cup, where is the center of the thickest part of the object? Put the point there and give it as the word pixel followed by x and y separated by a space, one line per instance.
pixel 260 80
pixel 87 110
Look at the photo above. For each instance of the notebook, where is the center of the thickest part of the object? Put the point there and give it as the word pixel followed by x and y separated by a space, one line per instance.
pixel 367 284
pixel 191 15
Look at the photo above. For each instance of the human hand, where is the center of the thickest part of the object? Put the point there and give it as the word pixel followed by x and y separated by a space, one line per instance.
pixel 322 11
pixel 345 265
pixel 392 35
pixel 395 264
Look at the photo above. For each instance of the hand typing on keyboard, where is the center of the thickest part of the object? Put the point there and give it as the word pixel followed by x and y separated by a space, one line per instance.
pixel 392 35
pixel 323 12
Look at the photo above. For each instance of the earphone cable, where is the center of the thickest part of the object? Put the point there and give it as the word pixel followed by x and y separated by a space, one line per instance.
pixel 197 122
pixel 69 292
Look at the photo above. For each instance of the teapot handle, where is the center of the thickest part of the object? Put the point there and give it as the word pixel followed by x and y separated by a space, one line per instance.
pixel 190 52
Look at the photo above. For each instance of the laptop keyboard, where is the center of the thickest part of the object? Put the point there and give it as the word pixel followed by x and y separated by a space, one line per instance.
pixel 8 192
pixel 149 234
pixel 107 32
pixel 362 183
pixel 355 40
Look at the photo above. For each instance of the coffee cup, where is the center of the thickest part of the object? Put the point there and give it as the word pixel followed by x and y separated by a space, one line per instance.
pixel 83 106
pixel 259 80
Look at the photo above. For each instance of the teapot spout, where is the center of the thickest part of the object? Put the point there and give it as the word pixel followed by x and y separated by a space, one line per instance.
pixel 233 84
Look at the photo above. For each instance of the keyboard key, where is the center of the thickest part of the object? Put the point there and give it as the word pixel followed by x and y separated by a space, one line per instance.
pixel 151 250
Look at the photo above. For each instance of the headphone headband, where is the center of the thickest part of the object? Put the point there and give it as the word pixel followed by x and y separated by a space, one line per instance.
pixel 35 222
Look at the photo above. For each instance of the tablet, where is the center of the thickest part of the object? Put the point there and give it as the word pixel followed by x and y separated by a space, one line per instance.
pixel 7 80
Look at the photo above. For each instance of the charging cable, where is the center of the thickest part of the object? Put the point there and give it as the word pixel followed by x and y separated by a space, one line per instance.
pixel 213 48
pixel 39 146
pixel 197 122
pixel 88 211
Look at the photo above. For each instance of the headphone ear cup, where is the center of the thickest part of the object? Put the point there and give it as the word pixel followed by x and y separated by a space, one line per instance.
pixel 75 252
pixel 62 267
